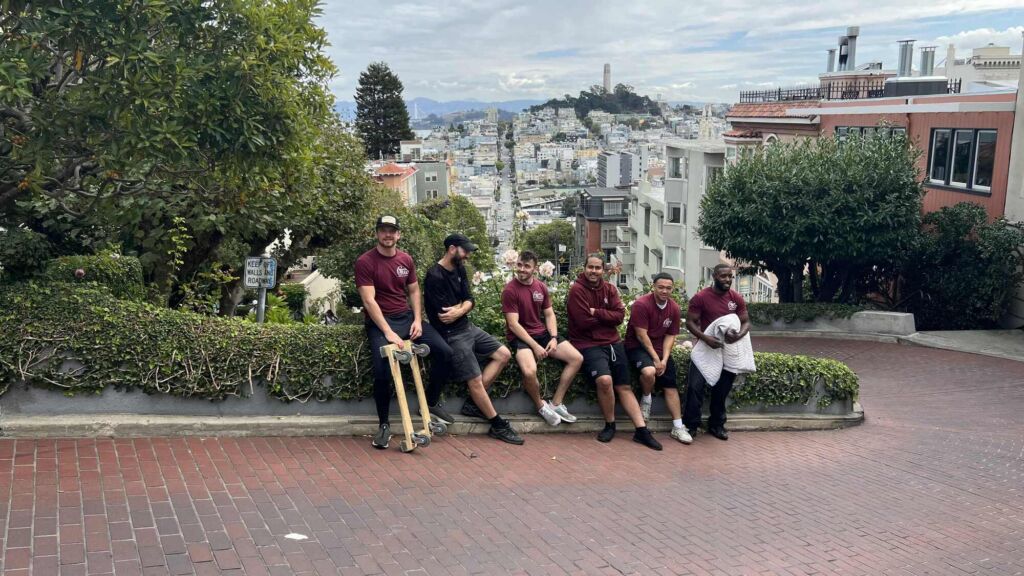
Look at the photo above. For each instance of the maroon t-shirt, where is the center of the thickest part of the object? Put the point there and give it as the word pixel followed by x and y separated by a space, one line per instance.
pixel 658 322
pixel 389 276
pixel 529 302
pixel 711 305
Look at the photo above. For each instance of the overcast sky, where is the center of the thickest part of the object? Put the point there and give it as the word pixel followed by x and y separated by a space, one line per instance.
pixel 683 50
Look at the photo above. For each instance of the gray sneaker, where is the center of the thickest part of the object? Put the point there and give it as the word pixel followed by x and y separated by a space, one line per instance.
pixel 383 437
pixel 547 412
pixel 645 408
pixel 563 413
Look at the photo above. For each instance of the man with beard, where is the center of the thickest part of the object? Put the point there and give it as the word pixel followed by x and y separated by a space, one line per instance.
pixel 387 284
pixel 448 301
pixel 595 313
pixel 650 336
pixel 707 306
pixel 532 332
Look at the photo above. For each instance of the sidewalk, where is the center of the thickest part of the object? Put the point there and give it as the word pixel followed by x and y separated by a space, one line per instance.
pixel 1008 344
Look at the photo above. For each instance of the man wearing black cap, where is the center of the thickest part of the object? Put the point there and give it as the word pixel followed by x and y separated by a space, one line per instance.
pixel 449 300
pixel 387 284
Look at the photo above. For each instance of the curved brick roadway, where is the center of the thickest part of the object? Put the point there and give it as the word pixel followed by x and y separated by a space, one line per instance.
pixel 930 484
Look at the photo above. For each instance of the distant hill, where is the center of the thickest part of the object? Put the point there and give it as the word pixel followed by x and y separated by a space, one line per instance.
pixel 426 106
pixel 621 100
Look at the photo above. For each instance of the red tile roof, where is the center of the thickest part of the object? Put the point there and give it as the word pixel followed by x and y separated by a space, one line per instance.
pixel 768 109
pixel 742 134
pixel 392 169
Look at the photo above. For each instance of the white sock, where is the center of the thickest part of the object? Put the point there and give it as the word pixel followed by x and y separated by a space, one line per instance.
pixel 647 397
pixel 677 423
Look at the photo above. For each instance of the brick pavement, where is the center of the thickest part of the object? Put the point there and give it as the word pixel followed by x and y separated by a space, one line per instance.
pixel 930 484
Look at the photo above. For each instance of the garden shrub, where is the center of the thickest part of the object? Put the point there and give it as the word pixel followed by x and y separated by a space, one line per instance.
pixel 122 275
pixel 79 338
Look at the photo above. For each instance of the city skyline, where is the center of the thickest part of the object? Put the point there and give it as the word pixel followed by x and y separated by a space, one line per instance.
pixel 495 51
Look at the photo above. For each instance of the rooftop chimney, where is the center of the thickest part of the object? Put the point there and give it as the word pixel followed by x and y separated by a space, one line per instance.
pixel 848 49
pixel 831 60
pixel 906 61
pixel 927 60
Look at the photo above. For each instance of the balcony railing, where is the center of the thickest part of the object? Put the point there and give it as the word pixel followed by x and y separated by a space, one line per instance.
pixel 834 90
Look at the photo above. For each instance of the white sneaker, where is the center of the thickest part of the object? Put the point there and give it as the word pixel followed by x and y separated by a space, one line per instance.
pixel 548 413
pixel 563 412
pixel 682 435
pixel 645 408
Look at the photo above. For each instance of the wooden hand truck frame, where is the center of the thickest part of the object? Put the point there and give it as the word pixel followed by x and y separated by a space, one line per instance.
pixel 410 355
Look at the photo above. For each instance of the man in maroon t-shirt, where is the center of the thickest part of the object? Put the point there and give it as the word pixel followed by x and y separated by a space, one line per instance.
pixel 709 305
pixel 387 283
pixel 650 335
pixel 531 339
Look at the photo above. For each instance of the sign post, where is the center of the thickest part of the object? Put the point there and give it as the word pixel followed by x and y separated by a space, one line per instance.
pixel 261 273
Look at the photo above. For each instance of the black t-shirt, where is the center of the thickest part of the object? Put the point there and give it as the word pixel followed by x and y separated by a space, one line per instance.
pixel 443 288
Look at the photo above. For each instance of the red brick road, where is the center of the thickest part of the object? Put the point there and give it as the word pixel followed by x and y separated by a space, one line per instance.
pixel 932 483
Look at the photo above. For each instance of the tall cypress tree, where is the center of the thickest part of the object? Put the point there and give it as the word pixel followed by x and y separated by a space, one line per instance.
pixel 382 119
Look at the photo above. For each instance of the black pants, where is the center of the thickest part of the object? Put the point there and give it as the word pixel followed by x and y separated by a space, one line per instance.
pixel 695 386
pixel 440 361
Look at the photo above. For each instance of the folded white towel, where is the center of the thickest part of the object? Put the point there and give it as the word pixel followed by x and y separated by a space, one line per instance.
pixel 737 357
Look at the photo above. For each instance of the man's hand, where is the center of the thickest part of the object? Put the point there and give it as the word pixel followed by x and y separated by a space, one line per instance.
pixel 659 367
pixel 395 339
pixel 450 314
pixel 713 342
pixel 416 330
pixel 552 345
pixel 732 336
pixel 540 353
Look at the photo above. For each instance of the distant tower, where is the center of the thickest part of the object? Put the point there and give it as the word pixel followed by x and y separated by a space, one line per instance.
pixel 707 131
pixel 607 77
pixel 415 111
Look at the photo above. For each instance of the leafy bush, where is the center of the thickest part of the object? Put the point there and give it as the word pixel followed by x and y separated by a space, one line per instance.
pixel 964 270
pixel 81 339
pixel 764 313
pixel 294 295
pixel 122 275
pixel 23 253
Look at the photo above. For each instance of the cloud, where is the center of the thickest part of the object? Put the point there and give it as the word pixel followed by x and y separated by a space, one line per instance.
pixel 458 49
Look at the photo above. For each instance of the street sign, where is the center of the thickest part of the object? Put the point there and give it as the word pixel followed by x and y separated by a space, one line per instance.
pixel 260 272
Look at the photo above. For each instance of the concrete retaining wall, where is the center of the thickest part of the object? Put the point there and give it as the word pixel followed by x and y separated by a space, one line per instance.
pixel 30 411
pixel 866 322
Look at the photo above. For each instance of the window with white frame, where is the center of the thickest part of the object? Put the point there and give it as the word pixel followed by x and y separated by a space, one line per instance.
pixel 675 213
pixel 673 256
pixel 674 170
pixel 962 158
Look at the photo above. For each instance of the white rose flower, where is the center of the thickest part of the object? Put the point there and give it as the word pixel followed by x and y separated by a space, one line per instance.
pixel 547 269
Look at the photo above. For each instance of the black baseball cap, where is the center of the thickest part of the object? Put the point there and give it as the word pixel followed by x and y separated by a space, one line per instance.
pixel 388 220
pixel 459 240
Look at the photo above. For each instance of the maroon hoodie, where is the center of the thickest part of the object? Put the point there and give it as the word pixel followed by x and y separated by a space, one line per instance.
pixel 601 329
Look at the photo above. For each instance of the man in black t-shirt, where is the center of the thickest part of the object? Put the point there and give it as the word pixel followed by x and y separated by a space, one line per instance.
pixel 448 301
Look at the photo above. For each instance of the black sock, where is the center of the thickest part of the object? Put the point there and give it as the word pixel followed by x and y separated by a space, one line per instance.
pixel 641 428
pixel 498 421
pixel 609 425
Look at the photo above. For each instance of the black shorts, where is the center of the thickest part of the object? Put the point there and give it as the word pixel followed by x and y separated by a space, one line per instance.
pixel 515 344
pixel 639 359
pixel 606 360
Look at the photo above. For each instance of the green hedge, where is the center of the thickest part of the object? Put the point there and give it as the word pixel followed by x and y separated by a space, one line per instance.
pixel 764 313
pixel 132 345
pixel 121 274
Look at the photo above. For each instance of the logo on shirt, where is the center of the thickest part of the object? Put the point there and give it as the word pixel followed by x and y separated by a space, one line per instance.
pixel 732 306
pixel 538 296
pixel 667 322
pixel 606 300
pixel 402 271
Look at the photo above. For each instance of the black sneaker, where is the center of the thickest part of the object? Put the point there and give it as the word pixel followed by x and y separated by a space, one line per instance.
pixel 441 413
pixel 383 437
pixel 505 434
pixel 469 408
pixel 606 434
pixel 644 436
pixel 719 432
